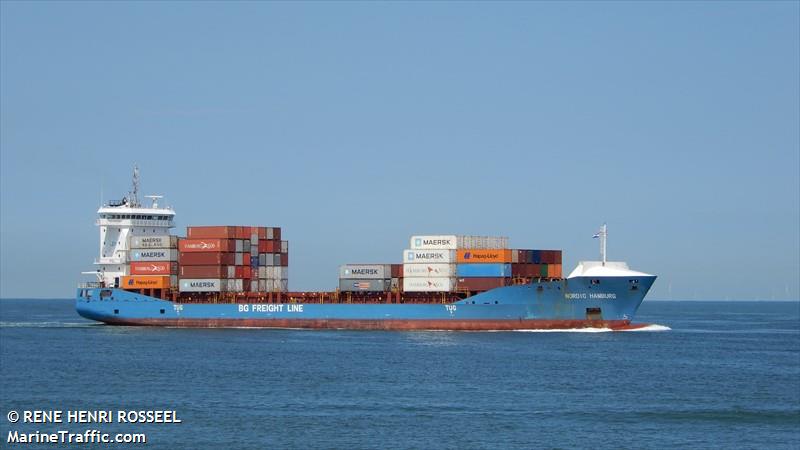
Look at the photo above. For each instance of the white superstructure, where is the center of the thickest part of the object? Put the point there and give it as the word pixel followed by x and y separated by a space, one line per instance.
pixel 118 221
pixel 604 268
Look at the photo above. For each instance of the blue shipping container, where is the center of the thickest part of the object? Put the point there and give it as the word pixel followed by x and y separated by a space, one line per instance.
pixel 483 270
pixel 537 257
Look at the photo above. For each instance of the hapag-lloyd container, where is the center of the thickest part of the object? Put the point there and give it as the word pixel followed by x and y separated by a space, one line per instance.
pixel 145 282
pixel 483 256
pixel 365 271
pixel 154 254
pixel 154 268
pixel 429 256
pixel 429 270
pixel 483 270
pixel 206 245
pixel 160 241
pixel 428 284
pixel 434 242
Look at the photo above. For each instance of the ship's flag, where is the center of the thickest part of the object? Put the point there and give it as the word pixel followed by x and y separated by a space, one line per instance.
pixel 361 285
pixel 596 235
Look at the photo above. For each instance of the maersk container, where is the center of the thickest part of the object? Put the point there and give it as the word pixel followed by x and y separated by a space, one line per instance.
pixel 154 254
pixel 365 271
pixel 354 285
pixel 161 241
pixel 202 285
pixel 434 242
pixel 429 270
pixel 483 270
pixel 429 256
pixel 428 284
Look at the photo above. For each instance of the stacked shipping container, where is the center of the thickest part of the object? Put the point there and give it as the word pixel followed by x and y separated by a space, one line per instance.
pixel 233 259
pixel 152 262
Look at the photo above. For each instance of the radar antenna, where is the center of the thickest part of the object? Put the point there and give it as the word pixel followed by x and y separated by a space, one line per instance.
pixel 134 197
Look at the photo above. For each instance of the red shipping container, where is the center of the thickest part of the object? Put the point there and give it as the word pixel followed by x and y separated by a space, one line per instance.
pixel 276 233
pixel 154 268
pixel 248 272
pixel 284 259
pixel 206 245
pixel 262 233
pixel 204 272
pixel 480 284
pixel 218 232
pixel 269 246
pixel 206 259
pixel 239 272
pixel 397 270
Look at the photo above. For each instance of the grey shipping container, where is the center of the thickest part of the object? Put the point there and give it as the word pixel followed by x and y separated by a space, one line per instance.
pixel 353 285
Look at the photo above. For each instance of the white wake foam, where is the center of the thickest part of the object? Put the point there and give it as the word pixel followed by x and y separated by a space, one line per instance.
pixel 652 327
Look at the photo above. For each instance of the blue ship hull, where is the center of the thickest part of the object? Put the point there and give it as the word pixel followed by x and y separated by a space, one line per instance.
pixel 606 302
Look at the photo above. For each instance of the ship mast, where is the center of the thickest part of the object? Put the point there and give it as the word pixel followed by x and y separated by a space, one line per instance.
pixel 603 237
pixel 134 199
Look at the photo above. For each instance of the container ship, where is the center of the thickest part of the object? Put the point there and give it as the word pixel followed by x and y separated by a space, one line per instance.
pixel 237 276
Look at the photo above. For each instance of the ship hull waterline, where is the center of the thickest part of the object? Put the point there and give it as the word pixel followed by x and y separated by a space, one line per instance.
pixel 555 305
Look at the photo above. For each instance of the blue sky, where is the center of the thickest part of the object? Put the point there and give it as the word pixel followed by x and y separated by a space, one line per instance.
pixel 355 125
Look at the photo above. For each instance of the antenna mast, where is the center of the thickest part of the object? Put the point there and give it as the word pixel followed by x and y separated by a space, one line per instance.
pixel 134 200
pixel 603 237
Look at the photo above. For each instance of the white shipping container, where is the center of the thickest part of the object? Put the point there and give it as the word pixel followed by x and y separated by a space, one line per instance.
pixel 262 273
pixel 239 245
pixel 428 284
pixel 238 259
pixel 231 271
pixel 434 242
pixel 161 241
pixel 429 270
pixel 284 246
pixel 262 285
pixel 482 242
pixel 154 254
pixel 429 256
pixel 365 271
pixel 202 285
pixel 270 233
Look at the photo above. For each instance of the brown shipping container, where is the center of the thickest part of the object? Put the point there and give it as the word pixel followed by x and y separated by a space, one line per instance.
pixel 206 245
pixel 483 256
pixel 284 259
pixel 276 233
pixel 271 246
pixel 204 272
pixel 154 268
pixel 206 259
pixel 397 270
pixel 480 284
pixel 218 232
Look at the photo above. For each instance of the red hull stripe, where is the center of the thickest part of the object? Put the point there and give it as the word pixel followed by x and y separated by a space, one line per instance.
pixel 395 324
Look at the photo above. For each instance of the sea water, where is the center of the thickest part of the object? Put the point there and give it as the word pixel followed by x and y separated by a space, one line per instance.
pixel 706 375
